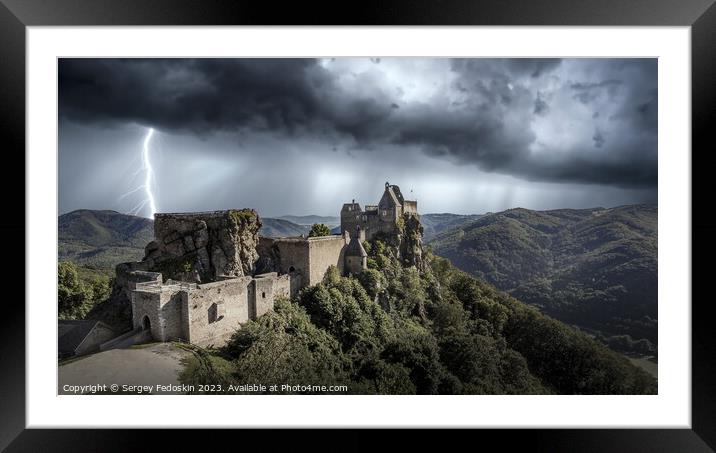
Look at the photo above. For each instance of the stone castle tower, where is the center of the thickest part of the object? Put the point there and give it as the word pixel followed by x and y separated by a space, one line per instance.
pixel 384 217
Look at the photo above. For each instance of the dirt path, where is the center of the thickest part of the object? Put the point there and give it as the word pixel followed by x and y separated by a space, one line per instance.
pixel 150 369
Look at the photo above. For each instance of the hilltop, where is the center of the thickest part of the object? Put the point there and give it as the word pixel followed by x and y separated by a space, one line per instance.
pixel 308 220
pixel 595 268
pixel 434 224
pixel 102 239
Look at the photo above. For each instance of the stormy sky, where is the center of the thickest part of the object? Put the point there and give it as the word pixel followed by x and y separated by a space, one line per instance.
pixel 302 136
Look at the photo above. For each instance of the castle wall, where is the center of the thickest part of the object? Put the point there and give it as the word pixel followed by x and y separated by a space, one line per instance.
pixel 147 303
pixel 325 251
pixel 267 288
pixel 214 311
pixel 208 314
pixel 163 308
pixel 356 264
pixel 304 259
pixel 410 207
pixel 294 255
pixel 170 313
pixel 127 275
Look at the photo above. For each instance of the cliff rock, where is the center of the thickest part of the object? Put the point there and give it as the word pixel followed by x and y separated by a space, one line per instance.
pixel 204 246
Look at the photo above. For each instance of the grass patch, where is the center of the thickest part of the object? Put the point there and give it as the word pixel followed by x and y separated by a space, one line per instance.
pixel 203 367
pixel 144 345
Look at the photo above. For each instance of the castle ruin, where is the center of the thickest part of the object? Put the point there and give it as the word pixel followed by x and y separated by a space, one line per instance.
pixel 385 217
pixel 205 273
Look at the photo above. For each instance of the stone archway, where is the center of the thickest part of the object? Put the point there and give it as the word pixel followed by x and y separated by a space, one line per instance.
pixel 146 324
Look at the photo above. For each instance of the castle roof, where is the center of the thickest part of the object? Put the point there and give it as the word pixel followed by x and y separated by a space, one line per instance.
pixel 351 206
pixel 397 194
pixel 355 248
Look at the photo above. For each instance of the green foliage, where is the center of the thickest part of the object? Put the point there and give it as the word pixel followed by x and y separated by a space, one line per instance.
pixel 400 224
pixel 373 282
pixel 243 216
pixel 397 330
pixel 571 362
pixel 202 367
pixel 342 307
pixel 284 347
pixel 79 290
pixel 417 350
pixel 319 229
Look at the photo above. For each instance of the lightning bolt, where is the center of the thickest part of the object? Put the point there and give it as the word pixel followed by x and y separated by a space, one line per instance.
pixel 149 173
pixel 148 178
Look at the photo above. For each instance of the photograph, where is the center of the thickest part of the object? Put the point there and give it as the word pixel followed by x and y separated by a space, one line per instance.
pixel 357 226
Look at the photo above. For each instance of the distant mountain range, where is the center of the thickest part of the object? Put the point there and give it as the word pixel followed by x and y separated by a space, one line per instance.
pixel 309 220
pixel 434 224
pixel 594 268
pixel 281 228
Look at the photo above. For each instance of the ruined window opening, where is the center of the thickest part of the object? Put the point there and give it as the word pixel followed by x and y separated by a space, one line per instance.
pixel 216 311
pixel 146 325
pixel 263 295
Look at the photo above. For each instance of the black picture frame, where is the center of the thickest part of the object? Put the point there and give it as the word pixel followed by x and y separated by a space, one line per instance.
pixel 700 15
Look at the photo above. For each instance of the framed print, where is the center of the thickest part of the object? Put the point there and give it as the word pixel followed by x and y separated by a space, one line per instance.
pixel 484 221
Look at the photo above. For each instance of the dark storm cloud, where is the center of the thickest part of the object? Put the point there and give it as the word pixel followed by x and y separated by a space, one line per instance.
pixel 198 95
pixel 598 138
pixel 588 92
pixel 484 117
pixel 541 106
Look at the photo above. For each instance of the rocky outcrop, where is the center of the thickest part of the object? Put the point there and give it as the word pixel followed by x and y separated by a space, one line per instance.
pixel 411 244
pixel 202 247
pixel 406 241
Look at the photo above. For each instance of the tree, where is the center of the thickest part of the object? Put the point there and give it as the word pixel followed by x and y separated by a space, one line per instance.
pixel 373 282
pixel 319 229
pixel 76 295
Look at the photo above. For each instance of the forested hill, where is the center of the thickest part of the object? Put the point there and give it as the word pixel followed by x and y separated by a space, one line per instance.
pixel 102 239
pixel 596 268
pixel 434 224
pixel 416 326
